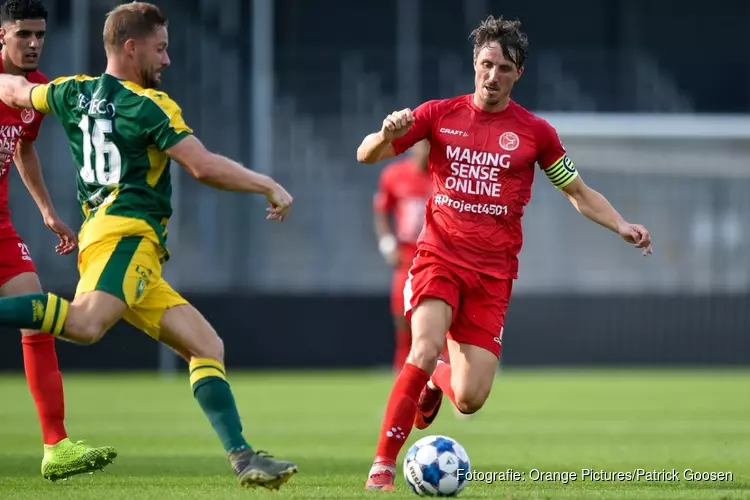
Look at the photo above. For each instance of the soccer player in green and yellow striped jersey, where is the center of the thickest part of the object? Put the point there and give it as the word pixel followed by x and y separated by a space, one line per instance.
pixel 123 134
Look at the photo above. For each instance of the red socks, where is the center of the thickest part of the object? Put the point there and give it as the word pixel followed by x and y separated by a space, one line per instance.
pixel 45 383
pixel 403 346
pixel 441 377
pixel 400 412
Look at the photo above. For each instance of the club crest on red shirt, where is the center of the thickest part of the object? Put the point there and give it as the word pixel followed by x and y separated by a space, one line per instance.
pixel 509 141
pixel 27 115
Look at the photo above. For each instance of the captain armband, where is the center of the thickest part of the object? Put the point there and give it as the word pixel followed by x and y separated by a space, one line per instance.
pixel 562 172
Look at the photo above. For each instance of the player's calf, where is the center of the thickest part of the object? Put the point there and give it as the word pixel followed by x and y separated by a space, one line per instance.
pixel 186 330
pixel 469 401
pixel 467 381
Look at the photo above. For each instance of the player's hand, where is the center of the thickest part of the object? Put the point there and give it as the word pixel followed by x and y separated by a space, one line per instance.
pixel 637 235
pixel 397 124
pixel 68 241
pixel 280 201
pixel 388 247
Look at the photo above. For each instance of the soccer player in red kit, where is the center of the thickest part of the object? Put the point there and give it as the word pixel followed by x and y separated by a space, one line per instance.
pixel 484 148
pixel 403 191
pixel 22 31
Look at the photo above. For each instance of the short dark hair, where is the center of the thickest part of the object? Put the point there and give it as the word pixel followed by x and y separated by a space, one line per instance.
pixel 507 33
pixel 18 10
pixel 131 20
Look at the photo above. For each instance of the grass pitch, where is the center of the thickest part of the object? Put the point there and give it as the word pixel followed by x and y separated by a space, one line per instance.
pixel 545 421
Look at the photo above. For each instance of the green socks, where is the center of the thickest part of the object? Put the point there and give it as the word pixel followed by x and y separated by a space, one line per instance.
pixel 211 390
pixel 45 312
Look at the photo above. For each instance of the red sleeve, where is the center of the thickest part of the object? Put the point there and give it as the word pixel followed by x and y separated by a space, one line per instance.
pixel 424 117
pixel 551 148
pixel 31 132
pixel 384 201
pixel 552 158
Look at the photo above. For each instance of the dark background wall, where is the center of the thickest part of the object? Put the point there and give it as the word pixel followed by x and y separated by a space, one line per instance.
pixel 262 332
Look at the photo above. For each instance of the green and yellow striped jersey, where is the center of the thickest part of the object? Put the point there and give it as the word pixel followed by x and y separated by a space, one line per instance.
pixel 118 132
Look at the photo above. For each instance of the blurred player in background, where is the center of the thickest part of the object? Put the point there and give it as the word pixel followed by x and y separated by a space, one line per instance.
pixel 122 134
pixel 402 194
pixel 484 148
pixel 22 31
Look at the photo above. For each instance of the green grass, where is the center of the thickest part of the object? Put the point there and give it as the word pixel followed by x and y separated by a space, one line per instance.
pixel 563 421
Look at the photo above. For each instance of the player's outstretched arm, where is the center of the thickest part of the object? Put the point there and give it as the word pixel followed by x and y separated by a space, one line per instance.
pixel 596 207
pixel 377 146
pixel 28 165
pixel 15 91
pixel 222 173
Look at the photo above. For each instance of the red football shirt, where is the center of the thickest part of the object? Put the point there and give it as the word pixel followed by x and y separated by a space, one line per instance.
pixel 482 169
pixel 16 124
pixel 404 190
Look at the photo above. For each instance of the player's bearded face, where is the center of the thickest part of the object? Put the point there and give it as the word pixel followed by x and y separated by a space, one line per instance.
pixel 153 58
pixel 23 42
pixel 494 75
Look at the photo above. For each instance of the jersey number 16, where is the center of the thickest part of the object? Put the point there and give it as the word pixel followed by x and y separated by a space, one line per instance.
pixel 107 161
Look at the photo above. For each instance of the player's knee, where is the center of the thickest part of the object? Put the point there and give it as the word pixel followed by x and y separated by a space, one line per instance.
pixel 212 347
pixel 469 399
pixel 424 353
pixel 84 331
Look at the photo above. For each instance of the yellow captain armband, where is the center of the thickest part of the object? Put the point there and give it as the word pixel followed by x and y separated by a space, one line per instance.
pixel 562 172
pixel 38 98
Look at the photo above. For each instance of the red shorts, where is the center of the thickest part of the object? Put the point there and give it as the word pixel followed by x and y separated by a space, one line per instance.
pixel 397 290
pixel 15 258
pixel 479 301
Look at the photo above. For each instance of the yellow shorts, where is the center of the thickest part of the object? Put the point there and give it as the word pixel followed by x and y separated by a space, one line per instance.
pixel 129 268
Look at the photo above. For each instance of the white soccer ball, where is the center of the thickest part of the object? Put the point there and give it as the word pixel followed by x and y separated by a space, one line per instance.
pixel 436 466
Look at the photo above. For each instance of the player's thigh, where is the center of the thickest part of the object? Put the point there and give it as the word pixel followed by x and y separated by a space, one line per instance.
pixel 431 299
pixel 18 275
pixel 187 331
pixel 21 284
pixel 15 265
pixel 147 314
pixel 91 315
pixel 397 298
pixel 116 274
pixel 475 342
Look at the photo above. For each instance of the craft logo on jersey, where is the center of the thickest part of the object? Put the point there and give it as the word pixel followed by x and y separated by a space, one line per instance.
pixel 451 131
pixel 27 115
pixel 509 141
